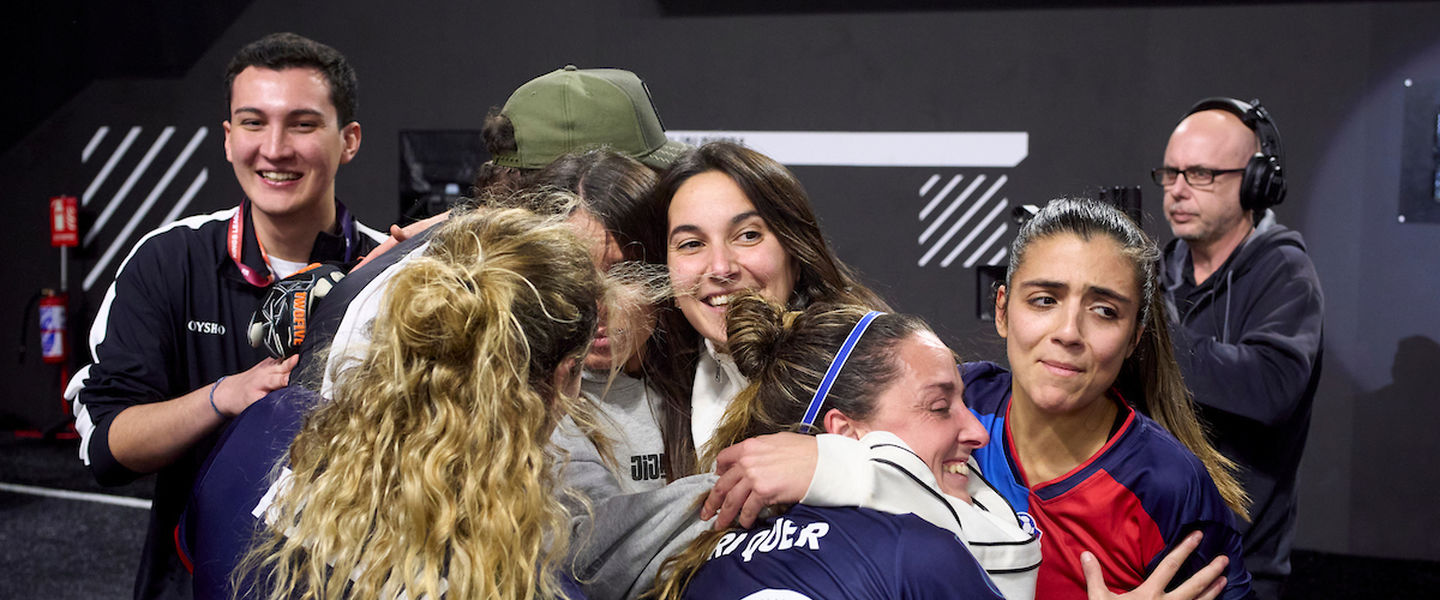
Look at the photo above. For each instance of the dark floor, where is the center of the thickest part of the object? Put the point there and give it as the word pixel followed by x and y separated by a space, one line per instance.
pixel 56 464
pixel 60 548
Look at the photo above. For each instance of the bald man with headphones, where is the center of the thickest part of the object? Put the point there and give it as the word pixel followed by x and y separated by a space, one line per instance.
pixel 1246 309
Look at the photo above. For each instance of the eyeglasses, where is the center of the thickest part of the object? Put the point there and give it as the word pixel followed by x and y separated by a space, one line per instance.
pixel 1165 176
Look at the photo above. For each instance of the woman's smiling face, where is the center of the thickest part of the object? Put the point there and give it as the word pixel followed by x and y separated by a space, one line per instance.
pixel 719 245
pixel 924 406
pixel 1069 319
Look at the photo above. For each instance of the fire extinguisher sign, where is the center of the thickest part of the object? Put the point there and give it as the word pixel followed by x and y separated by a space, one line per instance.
pixel 64 221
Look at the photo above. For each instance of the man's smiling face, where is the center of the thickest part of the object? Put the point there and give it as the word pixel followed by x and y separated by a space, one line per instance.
pixel 284 139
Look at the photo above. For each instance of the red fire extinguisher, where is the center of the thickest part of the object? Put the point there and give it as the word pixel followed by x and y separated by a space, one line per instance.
pixel 53 349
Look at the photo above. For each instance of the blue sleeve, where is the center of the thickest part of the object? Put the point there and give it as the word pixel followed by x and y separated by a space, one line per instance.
pixel 218 525
pixel 1199 507
pixel 1220 539
pixel 571 588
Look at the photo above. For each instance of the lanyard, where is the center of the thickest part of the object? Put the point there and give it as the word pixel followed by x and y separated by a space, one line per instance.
pixel 235 241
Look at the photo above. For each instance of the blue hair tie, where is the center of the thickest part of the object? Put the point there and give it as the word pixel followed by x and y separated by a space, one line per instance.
pixel 834 371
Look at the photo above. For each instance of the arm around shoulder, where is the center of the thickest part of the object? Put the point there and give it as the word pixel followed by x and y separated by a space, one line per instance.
pixel 618 549
pixel 583 471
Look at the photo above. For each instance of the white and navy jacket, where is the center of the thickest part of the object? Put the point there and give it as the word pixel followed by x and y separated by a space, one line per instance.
pixel 881 472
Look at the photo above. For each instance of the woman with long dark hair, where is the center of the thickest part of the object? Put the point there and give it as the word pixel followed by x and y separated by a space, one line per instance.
pixel 1124 477
pixel 736 221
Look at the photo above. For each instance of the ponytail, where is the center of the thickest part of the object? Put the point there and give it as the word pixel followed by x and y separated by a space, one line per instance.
pixel 429 473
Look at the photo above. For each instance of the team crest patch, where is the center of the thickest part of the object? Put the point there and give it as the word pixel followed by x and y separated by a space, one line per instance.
pixel 1027 524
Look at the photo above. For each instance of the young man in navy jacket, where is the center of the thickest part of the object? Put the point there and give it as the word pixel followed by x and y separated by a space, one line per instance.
pixel 172 359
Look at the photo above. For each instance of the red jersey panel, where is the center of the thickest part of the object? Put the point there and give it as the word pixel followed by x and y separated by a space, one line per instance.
pixel 1129 504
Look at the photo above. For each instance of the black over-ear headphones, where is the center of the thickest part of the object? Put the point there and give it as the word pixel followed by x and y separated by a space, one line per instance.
pixel 1264 182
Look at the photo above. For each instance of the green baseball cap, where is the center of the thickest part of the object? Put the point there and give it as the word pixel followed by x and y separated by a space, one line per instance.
pixel 575 109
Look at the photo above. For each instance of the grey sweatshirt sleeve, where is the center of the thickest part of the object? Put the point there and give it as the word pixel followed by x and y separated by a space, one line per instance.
pixel 617 550
pixel 582 469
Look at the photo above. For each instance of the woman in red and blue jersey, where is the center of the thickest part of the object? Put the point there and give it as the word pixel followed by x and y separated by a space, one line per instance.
pixel 1094 437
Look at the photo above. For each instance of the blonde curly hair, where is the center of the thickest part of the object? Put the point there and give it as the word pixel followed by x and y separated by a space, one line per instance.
pixel 429 474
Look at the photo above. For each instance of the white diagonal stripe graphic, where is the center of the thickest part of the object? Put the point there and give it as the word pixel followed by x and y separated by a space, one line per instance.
pixel 185 198
pixel 99 268
pixel 109 165
pixel 940 196
pixel 135 219
pixel 963 219
pixel 974 231
pixel 94 141
pixel 174 169
pixel 995 260
pixel 949 210
pixel 970 262
pixel 929 183
pixel 128 185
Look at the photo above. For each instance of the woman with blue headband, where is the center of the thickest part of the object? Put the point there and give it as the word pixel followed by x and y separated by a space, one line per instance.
pixel 888 381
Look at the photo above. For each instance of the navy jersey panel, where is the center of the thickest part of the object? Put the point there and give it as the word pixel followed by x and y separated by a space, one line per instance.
pixel 849 553
pixel 219 526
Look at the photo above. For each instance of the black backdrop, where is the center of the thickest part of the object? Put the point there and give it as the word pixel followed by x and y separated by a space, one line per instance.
pixel 1094 89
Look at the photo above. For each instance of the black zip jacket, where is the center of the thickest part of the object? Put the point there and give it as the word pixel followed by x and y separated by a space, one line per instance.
pixel 174 320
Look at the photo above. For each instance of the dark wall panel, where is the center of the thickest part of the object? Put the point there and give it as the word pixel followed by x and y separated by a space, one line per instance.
pixel 1094 90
